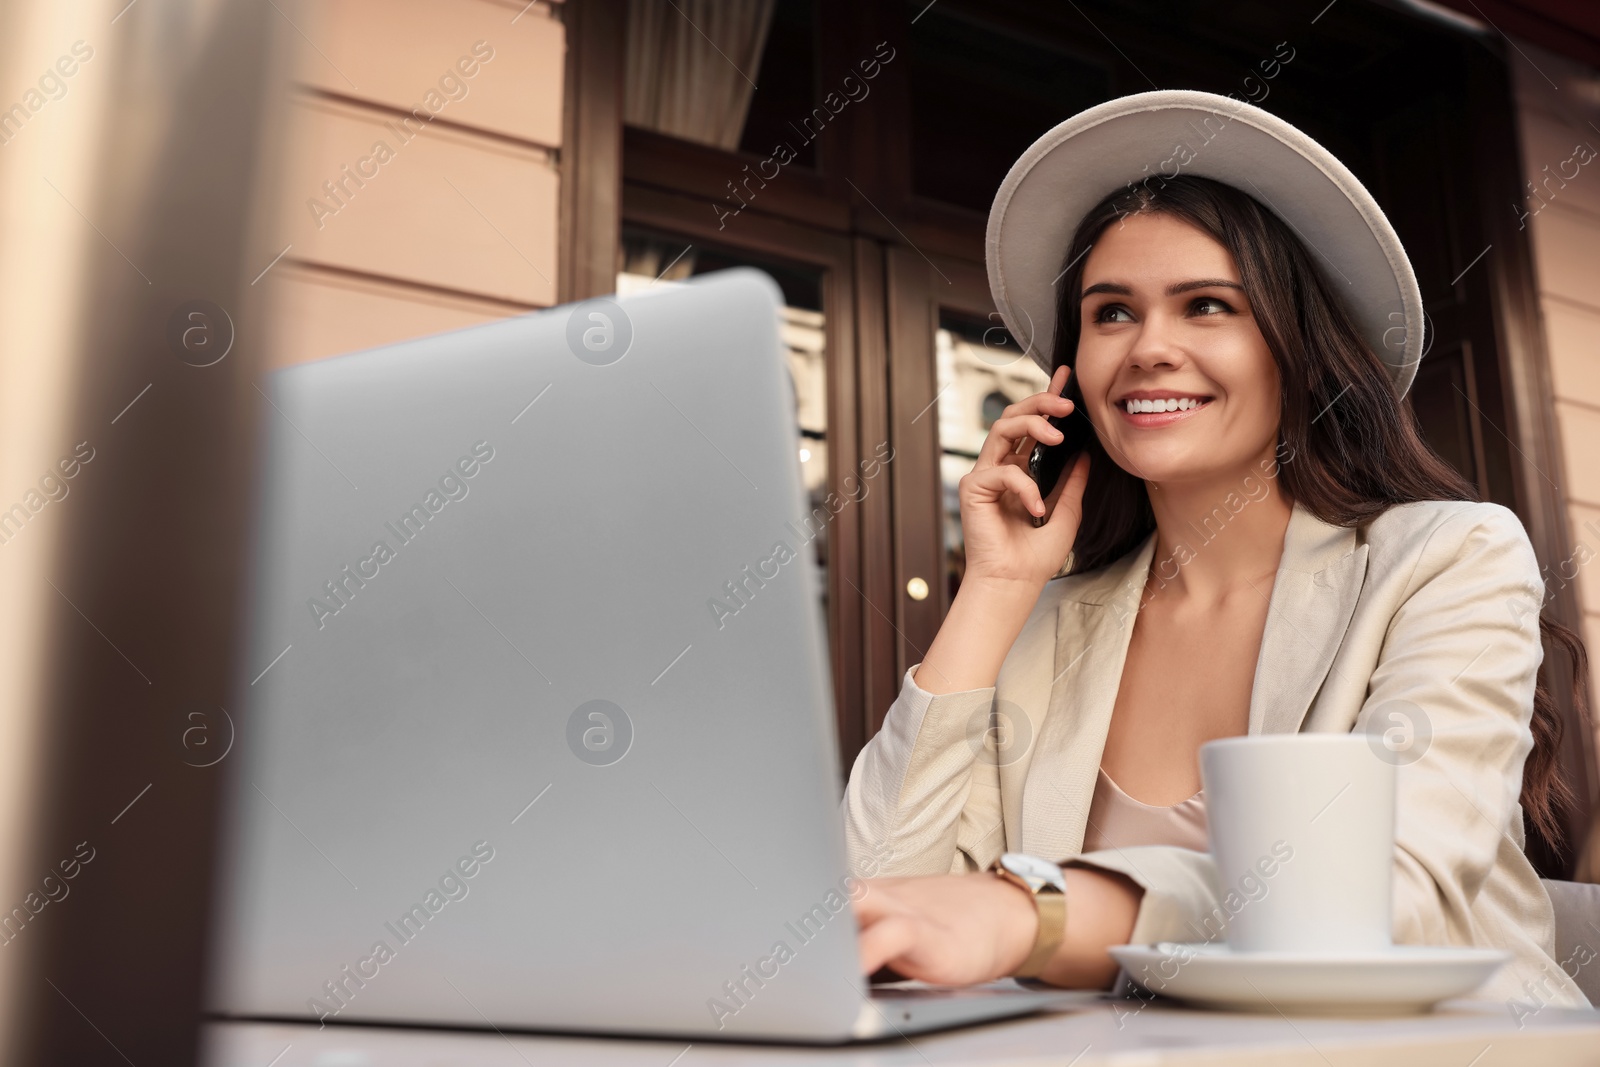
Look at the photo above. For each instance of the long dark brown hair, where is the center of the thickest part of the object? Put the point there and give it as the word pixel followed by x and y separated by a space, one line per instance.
pixel 1356 445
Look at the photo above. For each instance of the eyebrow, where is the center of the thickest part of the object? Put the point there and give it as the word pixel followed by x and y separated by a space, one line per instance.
pixel 1172 290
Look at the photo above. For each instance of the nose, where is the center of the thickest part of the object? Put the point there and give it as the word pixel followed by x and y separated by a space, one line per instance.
pixel 1154 347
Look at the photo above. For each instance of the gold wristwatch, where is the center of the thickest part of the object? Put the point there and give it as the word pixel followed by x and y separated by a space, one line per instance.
pixel 1045 883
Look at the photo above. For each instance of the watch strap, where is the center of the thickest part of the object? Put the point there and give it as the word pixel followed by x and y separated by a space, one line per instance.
pixel 1052 907
pixel 1050 904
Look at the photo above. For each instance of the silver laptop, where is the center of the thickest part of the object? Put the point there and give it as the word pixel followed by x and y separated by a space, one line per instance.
pixel 502 759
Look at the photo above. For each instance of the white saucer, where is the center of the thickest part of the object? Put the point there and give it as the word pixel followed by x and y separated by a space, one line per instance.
pixel 1402 980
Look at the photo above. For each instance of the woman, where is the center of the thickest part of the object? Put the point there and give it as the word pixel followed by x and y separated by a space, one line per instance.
pixel 1280 553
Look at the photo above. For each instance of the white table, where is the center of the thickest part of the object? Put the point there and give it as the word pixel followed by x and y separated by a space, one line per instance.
pixel 1461 1033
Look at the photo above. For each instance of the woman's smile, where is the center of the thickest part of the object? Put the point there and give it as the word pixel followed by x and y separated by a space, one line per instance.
pixel 1155 408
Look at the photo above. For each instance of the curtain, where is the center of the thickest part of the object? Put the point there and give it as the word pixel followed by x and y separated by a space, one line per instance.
pixel 693 65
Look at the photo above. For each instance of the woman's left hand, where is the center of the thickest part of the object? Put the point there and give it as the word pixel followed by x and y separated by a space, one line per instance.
pixel 947 929
pixel 961 929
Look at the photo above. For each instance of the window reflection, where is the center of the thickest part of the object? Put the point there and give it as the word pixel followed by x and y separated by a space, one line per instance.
pixel 648 259
pixel 980 371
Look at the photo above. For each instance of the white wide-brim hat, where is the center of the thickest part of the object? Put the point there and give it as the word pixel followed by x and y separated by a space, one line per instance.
pixel 1168 132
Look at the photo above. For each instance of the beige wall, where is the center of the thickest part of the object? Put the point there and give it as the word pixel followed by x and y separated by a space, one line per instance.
pixel 397 224
pixel 1561 157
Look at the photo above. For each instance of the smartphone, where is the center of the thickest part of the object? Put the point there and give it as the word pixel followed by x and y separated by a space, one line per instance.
pixel 1047 462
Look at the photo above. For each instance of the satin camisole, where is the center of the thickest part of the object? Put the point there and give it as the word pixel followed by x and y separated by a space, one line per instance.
pixel 1116 820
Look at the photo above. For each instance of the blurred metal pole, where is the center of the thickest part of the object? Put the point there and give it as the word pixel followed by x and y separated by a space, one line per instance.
pixel 135 143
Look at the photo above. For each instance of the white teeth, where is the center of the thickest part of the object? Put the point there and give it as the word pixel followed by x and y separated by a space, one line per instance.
pixel 1170 404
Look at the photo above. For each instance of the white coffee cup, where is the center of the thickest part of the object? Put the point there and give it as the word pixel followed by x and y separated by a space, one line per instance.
pixel 1302 832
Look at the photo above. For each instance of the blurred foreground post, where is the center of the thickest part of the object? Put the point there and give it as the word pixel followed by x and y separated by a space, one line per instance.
pixel 132 144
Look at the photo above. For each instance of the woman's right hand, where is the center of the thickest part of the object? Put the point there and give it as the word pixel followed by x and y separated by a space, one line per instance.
pixel 999 498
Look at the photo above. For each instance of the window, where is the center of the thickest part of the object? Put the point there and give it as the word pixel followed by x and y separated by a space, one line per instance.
pixel 649 258
pixel 980 97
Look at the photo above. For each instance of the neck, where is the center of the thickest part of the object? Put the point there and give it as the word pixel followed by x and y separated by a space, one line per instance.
pixel 1220 535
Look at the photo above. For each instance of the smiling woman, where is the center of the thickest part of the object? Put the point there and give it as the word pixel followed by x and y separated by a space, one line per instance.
pixel 1201 337
pixel 1262 383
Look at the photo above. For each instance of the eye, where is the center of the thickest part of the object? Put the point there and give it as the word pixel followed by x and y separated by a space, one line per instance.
pixel 1199 301
pixel 1104 309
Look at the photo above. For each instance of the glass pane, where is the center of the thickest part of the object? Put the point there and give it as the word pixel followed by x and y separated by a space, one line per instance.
pixel 982 96
pixel 651 258
pixel 980 370
pixel 732 76
pixel 779 111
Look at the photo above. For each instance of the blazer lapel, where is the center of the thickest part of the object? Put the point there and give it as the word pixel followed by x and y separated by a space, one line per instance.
pixel 1313 596
pixel 1068 710
pixel 1093 629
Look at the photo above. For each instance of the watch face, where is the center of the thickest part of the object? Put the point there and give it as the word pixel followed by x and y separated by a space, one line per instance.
pixel 1036 871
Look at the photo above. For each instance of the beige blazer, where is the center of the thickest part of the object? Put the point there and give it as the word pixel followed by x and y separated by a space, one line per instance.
pixel 1435 603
